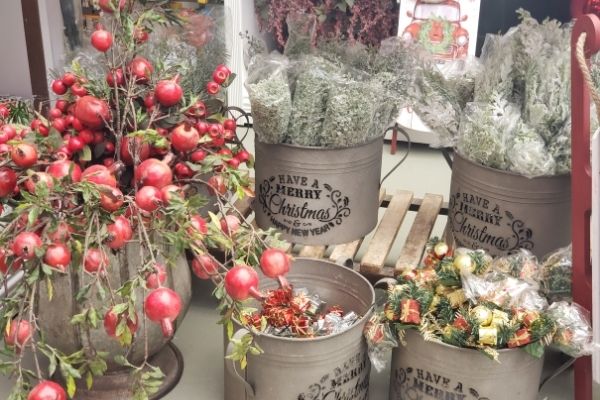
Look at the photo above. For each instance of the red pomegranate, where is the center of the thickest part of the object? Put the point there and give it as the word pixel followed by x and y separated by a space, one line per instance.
pixel 168 92
pixel 241 282
pixel 111 322
pixel 42 178
pixel 47 390
pixel 153 172
pixel 115 77
pixel 91 111
pixel 275 264
pixel 204 266
pixel 140 69
pixel 216 185
pixel 59 233
pixel 58 256
pixel 95 260
pixel 127 147
pixel 24 155
pixel 230 225
pixel 25 244
pixel 148 198
pixel 17 333
pixel 102 40
pixel 163 306
pixel 184 137
pixel 8 181
pixel 157 277
pixel 100 175
pixel 111 198
pixel 61 168
pixel 170 192
pixel 110 6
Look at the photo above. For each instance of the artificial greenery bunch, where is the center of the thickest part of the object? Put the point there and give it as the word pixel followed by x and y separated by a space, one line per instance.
pixel 126 177
pixel 334 95
pixel 526 71
pixel 467 299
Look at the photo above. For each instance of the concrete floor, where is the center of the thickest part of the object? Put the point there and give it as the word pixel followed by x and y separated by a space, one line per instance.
pixel 200 338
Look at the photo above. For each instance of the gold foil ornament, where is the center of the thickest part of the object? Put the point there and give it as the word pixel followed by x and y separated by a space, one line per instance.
pixel 482 315
pixel 488 336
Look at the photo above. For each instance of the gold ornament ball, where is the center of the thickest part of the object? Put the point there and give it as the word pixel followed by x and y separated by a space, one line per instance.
pixel 463 262
pixel 440 250
pixel 482 314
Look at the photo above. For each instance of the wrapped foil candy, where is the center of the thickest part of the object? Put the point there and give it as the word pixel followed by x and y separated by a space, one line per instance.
pixel 297 313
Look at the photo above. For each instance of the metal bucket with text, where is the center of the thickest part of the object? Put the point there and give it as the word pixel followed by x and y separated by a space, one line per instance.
pixel 318 195
pixel 329 367
pixel 430 370
pixel 501 212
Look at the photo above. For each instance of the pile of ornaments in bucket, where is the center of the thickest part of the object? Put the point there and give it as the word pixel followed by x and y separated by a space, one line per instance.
pixel 467 299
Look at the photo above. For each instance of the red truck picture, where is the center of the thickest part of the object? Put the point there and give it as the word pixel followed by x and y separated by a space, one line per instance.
pixel 436 25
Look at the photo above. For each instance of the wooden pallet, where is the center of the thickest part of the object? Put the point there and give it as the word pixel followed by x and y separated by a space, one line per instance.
pixel 373 263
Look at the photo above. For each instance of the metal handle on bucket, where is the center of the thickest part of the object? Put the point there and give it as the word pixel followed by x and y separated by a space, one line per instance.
pixel 231 364
pixel 448 154
pixel 408 142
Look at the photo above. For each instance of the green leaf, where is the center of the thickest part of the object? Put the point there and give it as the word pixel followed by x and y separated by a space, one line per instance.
pixel 89 380
pixel 121 360
pixel 71 387
pixel 229 325
pixel 86 154
pixel 52 366
pixel 49 287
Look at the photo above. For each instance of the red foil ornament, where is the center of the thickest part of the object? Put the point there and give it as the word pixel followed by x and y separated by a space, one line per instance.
pixel 521 338
pixel 410 312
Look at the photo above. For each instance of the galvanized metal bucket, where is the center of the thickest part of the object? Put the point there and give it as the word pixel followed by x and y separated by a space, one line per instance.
pixel 428 370
pixel 329 367
pixel 501 212
pixel 318 195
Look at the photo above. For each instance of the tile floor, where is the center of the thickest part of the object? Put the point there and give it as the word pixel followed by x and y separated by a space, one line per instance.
pixel 200 338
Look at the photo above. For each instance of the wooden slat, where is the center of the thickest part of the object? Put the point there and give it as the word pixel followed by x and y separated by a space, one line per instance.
pixel 374 259
pixel 312 251
pixel 419 232
pixel 347 251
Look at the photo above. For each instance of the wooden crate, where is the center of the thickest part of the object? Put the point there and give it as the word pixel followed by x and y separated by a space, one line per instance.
pixel 373 263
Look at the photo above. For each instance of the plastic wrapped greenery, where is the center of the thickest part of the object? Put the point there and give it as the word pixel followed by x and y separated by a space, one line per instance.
pixel 270 97
pixel 557 271
pixel 526 71
pixel 335 97
pixel 484 130
pixel 312 90
pixel 357 112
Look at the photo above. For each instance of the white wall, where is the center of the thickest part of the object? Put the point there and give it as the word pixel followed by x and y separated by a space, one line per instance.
pixel 14 67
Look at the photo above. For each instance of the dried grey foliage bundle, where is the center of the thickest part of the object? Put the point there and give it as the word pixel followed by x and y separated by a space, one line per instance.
pixel 341 95
pixel 519 118
pixel 270 98
pixel 356 112
pixel 312 90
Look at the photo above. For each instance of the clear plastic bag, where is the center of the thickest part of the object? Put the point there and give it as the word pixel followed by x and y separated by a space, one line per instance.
pixel 484 131
pixel 522 264
pixel 573 329
pixel 313 85
pixel 556 275
pixel 270 97
pixel 359 111
pixel 528 155
pixel 503 290
pixel 380 340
